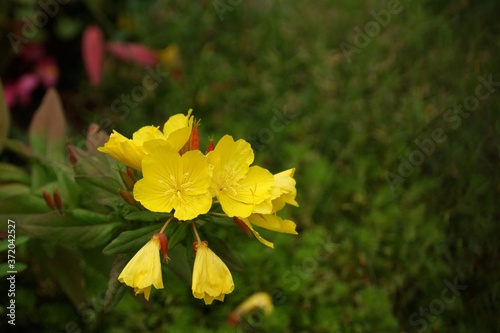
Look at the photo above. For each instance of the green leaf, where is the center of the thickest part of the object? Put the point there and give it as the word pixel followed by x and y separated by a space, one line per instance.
pixel 47 132
pixel 179 263
pixel 4 244
pixel 67 230
pixel 24 203
pixel 19 148
pixel 103 182
pixel 176 233
pixel 12 174
pixel 224 252
pixel 89 216
pixel 65 267
pixel 11 190
pixel 131 241
pixel 4 119
pixel 146 216
pixel 116 289
pixel 4 268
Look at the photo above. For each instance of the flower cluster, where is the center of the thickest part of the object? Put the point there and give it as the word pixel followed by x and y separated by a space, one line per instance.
pixel 178 178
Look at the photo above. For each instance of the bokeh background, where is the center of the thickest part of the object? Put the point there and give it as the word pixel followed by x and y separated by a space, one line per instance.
pixel 348 92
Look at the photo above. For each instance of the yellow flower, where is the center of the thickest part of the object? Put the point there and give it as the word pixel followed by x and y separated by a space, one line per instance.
pixel 175 182
pixel 238 187
pixel 258 301
pixel 176 132
pixel 271 222
pixel 284 191
pixel 211 277
pixel 144 269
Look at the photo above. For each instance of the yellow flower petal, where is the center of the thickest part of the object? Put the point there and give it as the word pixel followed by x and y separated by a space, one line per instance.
pixel 239 187
pixel 273 222
pixel 123 150
pixel 144 269
pixel 284 191
pixel 257 235
pixel 177 129
pixel 147 133
pixel 211 277
pixel 175 182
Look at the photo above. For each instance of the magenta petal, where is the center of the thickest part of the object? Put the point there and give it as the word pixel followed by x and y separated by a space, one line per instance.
pixel 93 53
pixel 134 52
pixel 25 86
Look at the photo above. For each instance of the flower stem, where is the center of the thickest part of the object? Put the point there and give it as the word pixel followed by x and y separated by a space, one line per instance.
pixel 166 224
pixel 196 232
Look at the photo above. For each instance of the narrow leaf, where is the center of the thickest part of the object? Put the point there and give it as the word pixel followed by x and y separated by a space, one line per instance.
pixel 12 174
pixel 65 229
pixel 131 241
pixel 65 268
pixel 145 216
pixel 106 183
pixel 116 289
pixel 23 203
pixel 175 236
pixel 179 264
pixel 224 252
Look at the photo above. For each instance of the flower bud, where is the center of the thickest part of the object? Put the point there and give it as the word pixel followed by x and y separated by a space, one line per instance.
pixel 48 200
pixel 210 145
pixel 194 141
pixel 128 197
pixel 57 201
pixel 71 154
pixel 127 180
pixel 243 226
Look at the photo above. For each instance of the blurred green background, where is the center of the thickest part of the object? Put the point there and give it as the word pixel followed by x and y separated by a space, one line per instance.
pixel 381 240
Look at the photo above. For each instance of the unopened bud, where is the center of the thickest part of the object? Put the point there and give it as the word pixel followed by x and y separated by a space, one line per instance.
pixel 163 245
pixel 57 201
pixel 127 181
pixel 210 145
pixel 48 200
pixel 194 141
pixel 131 174
pixel 71 154
pixel 243 226
pixel 128 197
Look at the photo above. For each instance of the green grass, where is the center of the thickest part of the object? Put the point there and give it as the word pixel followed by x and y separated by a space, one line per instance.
pixel 367 257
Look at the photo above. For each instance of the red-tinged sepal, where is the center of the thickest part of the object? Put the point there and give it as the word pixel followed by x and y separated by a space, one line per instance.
pixel 163 246
pixel 243 226
pixel 127 180
pixel 128 197
pixel 195 245
pixel 48 200
pixel 210 145
pixel 194 141
pixel 57 201
pixel 71 153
